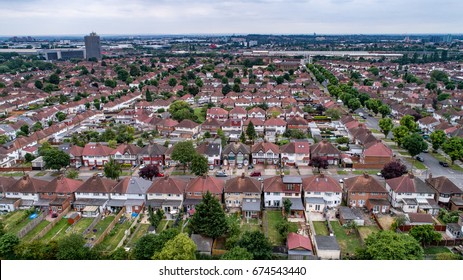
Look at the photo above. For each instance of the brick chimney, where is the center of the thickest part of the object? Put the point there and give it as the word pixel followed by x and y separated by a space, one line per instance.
pixel 430 176
pixel 242 175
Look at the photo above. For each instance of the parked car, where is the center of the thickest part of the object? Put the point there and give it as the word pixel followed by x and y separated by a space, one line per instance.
pixel 99 174
pixel 256 174
pixel 418 158
pixel 240 165
pixel 250 166
pixel 160 175
pixel 260 179
pixel 379 174
pixel 444 164
pixel 220 174
pixel 211 167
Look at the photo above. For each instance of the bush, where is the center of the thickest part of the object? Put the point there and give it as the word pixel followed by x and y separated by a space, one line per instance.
pixel 126 165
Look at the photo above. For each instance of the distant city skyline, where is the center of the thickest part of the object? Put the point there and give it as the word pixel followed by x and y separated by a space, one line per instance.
pixel 54 17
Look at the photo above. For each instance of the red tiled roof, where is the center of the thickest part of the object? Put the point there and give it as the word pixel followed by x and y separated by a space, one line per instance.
pixel 321 183
pixel 297 241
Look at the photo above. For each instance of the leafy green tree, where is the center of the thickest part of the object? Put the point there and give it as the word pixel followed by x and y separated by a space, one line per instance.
pixel 134 71
pixel 342 140
pixel 149 171
pixel 73 248
pixel 3 139
pixel 25 129
pixel 438 138
pixel 181 110
pixel 373 105
pixel 414 144
pixel 256 243
pixel 179 248
pixel 122 75
pixel 29 157
pixel 388 245
pixel 384 110
pixel 199 165
pixel 209 217
pixel 222 137
pixel 61 116
pixel 37 126
pixel 425 234
pixel 36 250
pixel 409 122
pixel 287 206
pixel 453 147
pixel 172 82
pixel 38 84
pixel 237 253
pixel 332 113
pixel 54 79
pixel 251 131
pixel 149 244
pixel 183 152
pixel 149 98
pixel 72 174
pixel 226 89
pixel 8 243
pixel 399 133
pixel 112 169
pixel 242 137
pixel 354 104
pixel 386 125
pixel 56 159
pixel 112 144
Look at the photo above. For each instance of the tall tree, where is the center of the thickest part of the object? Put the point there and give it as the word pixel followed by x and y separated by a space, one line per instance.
pixel 400 132
pixel 256 243
pixel 409 122
pixel 179 248
pixel 237 253
pixel 425 234
pixel 181 110
pixel 73 248
pixel 183 152
pixel 453 147
pixel 199 165
pixel 384 110
pixel 209 217
pixel 251 131
pixel 414 144
pixel 388 245
pixel 112 169
pixel 318 162
pixel 149 98
pixel 332 113
pixel 8 243
pixel 25 129
pixel 37 126
pixel 386 125
pixel 149 244
pixel 438 138
pixel 56 159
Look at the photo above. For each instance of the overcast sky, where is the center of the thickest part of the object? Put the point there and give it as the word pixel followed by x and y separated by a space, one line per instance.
pixel 76 17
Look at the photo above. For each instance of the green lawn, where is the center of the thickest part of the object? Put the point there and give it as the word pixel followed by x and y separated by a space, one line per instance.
pixel 100 227
pixel 348 242
pixel 417 164
pixel 115 236
pixel 11 219
pixel 251 226
pixel 375 131
pixel 197 112
pixel 81 225
pixel 342 172
pixel 31 234
pixel 11 174
pixel 367 230
pixel 320 228
pixel 435 250
pixel 360 172
pixel 274 217
pixel 142 230
pixel 404 153
pixel 17 227
pixel 162 225
pixel 58 231
pixel 41 173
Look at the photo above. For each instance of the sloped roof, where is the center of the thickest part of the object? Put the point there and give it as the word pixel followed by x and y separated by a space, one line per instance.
pixel 167 185
pixel 297 241
pixel 153 149
pixel 265 146
pixel 131 149
pixel 27 184
pixel 364 183
pixel 442 184
pixel 377 149
pixel 6 182
pixel 321 183
pixel 409 183
pixel 235 148
pixel 62 184
pixel 96 149
pixel 132 185
pixel 242 184
pixel 299 147
pixel 206 183
pixel 97 184
pixel 324 147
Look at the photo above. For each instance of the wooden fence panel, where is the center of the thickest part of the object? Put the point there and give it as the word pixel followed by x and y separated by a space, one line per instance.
pixel 52 224
pixel 30 226
pixel 110 227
